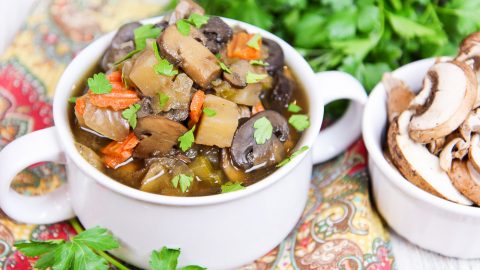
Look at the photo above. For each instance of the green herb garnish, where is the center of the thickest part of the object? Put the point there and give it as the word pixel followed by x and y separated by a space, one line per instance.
pixel 253 42
pixel 81 252
pixel 99 84
pixel 163 67
pixel 209 112
pixel 167 259
pixel 299 121
pixel 187 139
pixel 198 20
pixel 254 77
pixel 144 32
pixel 182 180
pixel 259 63
pixel 162 99
pixel 292 156
pixel 263 130
pixel 230 187
pixel 224 67
pixel 292 107
pixel 73 100
pixel 183 27
pixel 130 114
pixel 218 56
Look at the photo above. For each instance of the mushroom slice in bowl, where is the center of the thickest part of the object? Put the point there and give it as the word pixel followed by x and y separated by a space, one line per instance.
pixel 474 151
pixel 466 179
pixel 399 95
pixel 447 97
pixel 417 164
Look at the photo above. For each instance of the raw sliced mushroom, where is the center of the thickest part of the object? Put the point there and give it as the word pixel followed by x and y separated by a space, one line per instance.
pixel 474 151
pixel 399 95
pixel 157 135
pixel 121 45
pixel 246 153
pixel 417 164
pixel 466 179
pixel 470 125
pixel 218 34
pixel 456 148
pixel 436 146
pixel 195 59
pixel 448 95
pixel 470 47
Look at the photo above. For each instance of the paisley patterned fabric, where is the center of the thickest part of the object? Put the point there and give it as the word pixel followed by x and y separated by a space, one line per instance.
pixel 338 230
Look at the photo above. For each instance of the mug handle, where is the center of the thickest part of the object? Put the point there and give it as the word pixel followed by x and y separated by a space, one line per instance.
pixel 27 150
pixel 335 85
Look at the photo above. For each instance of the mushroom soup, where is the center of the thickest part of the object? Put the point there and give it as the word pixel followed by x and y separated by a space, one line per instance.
pixel 188 107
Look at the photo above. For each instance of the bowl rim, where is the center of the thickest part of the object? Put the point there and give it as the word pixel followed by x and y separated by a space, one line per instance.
pixel 376 154
pixel 84 60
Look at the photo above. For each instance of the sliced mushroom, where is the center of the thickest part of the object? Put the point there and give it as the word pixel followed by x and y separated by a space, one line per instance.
pixel 470 47
pixel 417 164
pixel 436 146
pixel 183 9
pixel 275 59
pixel 90 156
pixel 121 45
pixel 470 125
pixel 233 173
pixel 246 153
pixel 399 95
pixel 238 75
pixel 466 179
pixel 157 135
pixel 217 32
pixel 282 92
pixel 456 148
pixel 194 58
pixel 474 151
pixel 451 90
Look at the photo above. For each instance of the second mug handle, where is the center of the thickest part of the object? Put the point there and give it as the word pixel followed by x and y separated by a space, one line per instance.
pixel 336 85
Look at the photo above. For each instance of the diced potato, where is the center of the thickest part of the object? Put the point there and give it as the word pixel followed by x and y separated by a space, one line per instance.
pixel 218 129
pixel 178 94
pixel 144 76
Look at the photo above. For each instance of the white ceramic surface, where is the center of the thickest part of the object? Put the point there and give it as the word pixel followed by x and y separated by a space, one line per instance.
pixel 426 220
pixel 219 232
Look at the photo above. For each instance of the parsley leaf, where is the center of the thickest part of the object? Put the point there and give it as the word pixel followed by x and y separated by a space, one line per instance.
pixel 224 67
pixel 218 56
pixel 198 20
pixel 187 139
pixel 163 99
pixel 78 253
pixel 259 63
pixel 292 107
pixel 183 180
pixel 99 84
pixel 254 77
pixel 292 156
pixel 299 121
pixel 183 27
pixel 163 67
pixel 167 259
pixel 254 42
pixel 230 187
pixel 143 33
pixel 130 114
pixel 73 100
pixel 263 130
pixel 209 112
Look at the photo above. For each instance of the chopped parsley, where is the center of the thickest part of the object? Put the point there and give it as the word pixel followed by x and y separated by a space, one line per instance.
pixel 182 180
pixel 183 27
pixel 292 156
pixel 209 112
pixel 198 20
pixel 263 130
pixel 73 100
pixel 254 42
pixel 254 77
pixel 230 187
pixel 167 259
pixel 218 56
pixel 163 67
pixel 162 99
pixel 259 63
pixel 130 114
pixel 187 139
pixel 99 84
pixel 224 67
pixel 299 121
pixel 141 34
pixel 292 107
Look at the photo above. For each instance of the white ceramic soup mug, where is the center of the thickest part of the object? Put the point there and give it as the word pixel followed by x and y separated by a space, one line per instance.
pixel 220 231
pixel 426 220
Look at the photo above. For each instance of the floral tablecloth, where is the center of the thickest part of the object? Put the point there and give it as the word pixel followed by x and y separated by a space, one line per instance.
pixel 338 230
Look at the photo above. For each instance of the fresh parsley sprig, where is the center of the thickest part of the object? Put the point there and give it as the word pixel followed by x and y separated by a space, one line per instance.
pixel 187 139
pixel 167 259
pixel 182 180
pixel 263 130
pixel 130 114
pixel 292 156
pixel 99 84
pixel 231 187
pixel 254 77
pixel 299 121
pixel 209 112
pixel 163 67
pixel 141 34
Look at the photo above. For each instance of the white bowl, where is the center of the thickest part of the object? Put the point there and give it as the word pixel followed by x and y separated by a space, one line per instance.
pixel 426 220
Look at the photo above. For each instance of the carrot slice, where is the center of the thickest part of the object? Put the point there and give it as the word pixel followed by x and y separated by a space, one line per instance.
pixel 258 108
pixel 117 152
pixel 196 107
pixel 118 99
pixel 80 105
pixel 238 48
pixel 115 76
